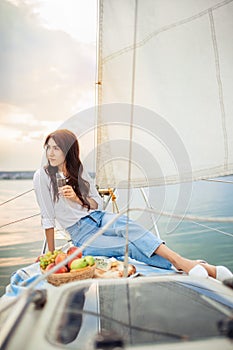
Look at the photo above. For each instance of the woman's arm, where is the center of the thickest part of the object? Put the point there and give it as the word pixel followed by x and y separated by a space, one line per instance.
pixel 44 198
pixel 49 233
pixel 93 203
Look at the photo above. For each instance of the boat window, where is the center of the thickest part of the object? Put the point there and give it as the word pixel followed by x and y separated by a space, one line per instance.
pixel 75 319
pixel 138 313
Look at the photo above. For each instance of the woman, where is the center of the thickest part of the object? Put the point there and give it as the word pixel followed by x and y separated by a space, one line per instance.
pixel 77 207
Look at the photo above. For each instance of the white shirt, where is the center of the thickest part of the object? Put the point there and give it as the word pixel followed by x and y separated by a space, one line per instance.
pixel 65 211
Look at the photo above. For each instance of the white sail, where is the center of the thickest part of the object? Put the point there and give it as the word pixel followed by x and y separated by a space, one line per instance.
pixel 164 91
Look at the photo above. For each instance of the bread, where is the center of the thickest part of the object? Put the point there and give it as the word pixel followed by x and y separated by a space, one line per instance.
pixel 114 270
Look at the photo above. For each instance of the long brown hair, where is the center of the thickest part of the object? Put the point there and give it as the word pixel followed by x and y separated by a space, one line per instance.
pixel 68 143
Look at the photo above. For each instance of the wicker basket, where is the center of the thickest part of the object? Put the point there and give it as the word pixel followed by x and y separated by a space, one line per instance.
pixel 58 279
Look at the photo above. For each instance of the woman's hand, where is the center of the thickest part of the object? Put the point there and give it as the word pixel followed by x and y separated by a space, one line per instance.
pixel 68 192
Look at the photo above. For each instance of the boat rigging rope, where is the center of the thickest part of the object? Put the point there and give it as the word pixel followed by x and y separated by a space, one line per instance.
pixel 22 219
pixel 13 198
pixel 192 217
pixel 214 229
pixel 90 240
pixel 126 255
pixel 216 180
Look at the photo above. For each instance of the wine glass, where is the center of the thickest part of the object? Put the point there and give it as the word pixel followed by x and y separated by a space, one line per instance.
pixel 61 180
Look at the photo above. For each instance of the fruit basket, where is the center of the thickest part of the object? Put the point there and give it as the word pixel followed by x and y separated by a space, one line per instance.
pixel 78 268
pixel 58 279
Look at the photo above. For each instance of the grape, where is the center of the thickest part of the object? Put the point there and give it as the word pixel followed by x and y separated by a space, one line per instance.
pixel 48 258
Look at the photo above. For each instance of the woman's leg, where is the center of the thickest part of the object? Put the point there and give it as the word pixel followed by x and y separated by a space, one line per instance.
pixel 146 247
pixel 181 263
pixel 144 240
pixel 142 243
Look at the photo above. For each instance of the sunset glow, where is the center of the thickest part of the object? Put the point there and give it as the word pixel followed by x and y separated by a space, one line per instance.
pixel 47 73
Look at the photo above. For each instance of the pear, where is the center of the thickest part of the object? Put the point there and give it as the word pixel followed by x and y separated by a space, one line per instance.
pixel 90 260
pixel 78 264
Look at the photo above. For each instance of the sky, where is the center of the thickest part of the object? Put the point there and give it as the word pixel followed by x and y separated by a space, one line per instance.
pixel 47 73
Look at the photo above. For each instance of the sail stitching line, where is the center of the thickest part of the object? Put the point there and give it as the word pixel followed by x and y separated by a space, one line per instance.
pixel 220 87
pixel 164 29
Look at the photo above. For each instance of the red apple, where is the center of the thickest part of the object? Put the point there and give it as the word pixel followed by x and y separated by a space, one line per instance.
pixel 50 266
pixel 73 249
pixel 70 251
pixel 62 269
pixel 70 262
pixel 60 257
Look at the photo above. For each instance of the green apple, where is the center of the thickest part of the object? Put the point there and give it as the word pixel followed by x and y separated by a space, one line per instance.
pixel 90 260
pixel 78 264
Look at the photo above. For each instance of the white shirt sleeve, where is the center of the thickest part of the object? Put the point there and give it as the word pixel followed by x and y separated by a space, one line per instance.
pixel 43 189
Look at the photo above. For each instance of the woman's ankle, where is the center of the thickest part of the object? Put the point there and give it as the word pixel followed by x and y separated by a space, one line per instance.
pixel 211 269
pixel 183 264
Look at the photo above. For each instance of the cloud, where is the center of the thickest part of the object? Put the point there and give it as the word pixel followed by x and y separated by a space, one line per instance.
pixel 46 76
pixel 17 125
pixel 44 72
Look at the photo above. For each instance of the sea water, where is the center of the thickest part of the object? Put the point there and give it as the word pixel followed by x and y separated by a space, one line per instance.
pixel 195 239
pixel 21 241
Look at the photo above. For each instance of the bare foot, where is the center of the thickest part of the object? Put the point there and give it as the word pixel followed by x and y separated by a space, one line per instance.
pixel 183 264
pixel 186 265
